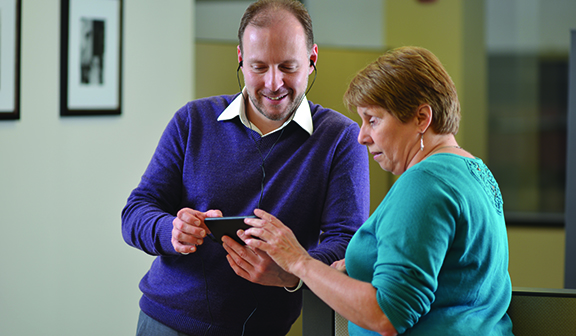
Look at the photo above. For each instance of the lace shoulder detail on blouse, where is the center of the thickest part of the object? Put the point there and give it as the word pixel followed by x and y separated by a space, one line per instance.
pixel 483 175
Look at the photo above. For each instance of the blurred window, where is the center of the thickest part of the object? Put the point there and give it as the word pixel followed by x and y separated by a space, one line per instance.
pixel 528 44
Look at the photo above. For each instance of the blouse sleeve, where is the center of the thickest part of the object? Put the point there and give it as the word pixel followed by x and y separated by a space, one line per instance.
pixel 415 227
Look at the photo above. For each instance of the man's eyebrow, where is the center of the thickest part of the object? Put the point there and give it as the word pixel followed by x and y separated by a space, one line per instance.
pixel 257 61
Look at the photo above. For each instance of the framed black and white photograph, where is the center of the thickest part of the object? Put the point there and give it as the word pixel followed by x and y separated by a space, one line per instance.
pixel 91 53
pixel 10 59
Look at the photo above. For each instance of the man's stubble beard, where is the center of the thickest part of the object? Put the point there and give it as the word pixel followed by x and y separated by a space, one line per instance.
pixel 290 110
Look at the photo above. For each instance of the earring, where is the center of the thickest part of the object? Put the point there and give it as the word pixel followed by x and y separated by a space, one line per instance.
pixel 422 142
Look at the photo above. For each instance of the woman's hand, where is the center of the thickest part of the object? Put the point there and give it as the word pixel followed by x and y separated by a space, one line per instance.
pixel 270 235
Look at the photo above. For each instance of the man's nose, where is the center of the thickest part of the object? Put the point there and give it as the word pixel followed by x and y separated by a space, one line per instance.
pixel 274 79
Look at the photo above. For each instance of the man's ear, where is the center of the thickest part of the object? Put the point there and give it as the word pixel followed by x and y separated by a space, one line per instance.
pixel 424 117
pixel 239 55
pixel 313 58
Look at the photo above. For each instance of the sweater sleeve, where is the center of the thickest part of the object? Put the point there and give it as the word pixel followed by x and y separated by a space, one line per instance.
pixel 420 215
pixel 347 203
pixel 152 206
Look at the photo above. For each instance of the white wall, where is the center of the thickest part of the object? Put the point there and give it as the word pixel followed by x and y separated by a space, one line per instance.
pixel 219 19
pixel 348 24
pixel 64 268
pixel 337 23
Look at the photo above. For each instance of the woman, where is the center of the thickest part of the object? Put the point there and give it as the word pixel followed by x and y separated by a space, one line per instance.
pixel 433 257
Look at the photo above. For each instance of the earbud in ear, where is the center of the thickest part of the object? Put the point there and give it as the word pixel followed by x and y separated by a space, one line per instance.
pixel 241 63
pixel 311 63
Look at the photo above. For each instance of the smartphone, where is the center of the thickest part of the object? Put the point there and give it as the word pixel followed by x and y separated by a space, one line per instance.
pixel 226 226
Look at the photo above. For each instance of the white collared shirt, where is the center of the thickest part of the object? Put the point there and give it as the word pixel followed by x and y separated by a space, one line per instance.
pixel 302 116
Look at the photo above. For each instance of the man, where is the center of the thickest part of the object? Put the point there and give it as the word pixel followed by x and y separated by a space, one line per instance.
pixel 268 148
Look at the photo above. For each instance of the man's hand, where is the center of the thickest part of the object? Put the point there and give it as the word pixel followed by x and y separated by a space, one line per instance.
pixel 255 265
pixel 189 230
pixel 340 265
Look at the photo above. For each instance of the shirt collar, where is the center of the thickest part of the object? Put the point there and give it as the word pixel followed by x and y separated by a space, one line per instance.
pixel 302 116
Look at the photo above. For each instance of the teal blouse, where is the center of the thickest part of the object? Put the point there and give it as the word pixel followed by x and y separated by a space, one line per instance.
pixel 436 250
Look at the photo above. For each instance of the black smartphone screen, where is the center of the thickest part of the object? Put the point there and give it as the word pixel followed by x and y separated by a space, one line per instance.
pixel 226 226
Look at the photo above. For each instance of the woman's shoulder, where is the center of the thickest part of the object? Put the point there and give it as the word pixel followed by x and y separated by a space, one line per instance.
pixel 442 164
pixel 466 177
pixel 441 172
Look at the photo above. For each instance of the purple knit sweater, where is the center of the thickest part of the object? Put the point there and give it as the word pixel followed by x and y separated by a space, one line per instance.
pixel 317 184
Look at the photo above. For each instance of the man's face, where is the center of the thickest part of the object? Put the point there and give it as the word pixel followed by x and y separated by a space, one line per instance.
pixel 276 66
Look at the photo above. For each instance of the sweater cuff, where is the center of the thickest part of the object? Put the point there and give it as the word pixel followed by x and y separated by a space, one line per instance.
pixel 164 234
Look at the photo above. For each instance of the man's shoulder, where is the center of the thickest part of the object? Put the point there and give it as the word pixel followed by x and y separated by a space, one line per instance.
pixel 327 117
pixel 216 103
pixel 201 110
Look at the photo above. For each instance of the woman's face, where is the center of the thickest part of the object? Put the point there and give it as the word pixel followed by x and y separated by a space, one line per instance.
pixel 393 144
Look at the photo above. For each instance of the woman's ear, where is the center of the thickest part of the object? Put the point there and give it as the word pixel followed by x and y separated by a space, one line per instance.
pixel 424 117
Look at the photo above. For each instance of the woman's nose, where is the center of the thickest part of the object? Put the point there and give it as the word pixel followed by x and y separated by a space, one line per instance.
pixel 363 137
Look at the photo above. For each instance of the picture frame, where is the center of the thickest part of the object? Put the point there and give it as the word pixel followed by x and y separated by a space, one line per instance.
pixel 91 57
pixel 10 24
